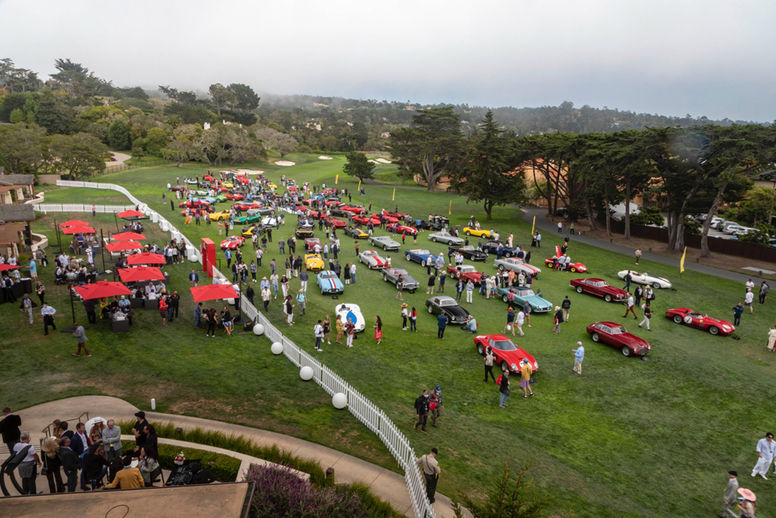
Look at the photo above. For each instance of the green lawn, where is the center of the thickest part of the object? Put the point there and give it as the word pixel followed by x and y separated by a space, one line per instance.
pixel 629 438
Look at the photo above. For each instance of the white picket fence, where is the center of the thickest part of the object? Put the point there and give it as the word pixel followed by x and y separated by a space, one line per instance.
pixel 358 405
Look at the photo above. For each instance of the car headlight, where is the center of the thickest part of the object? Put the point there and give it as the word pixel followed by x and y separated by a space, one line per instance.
pixel 536 365
pixel 514 366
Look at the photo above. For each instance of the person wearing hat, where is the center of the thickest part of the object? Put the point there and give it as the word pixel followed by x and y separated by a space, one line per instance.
pixel 579 357
pixel 129 477
pixel 431 472
pixel 746 502
pixel 138 429
pixel 405 314
pixel 731 492
pixel 766 448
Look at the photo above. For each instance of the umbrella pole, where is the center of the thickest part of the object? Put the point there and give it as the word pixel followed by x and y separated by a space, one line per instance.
pixel 239 298
pixel 116 219
pixel 59 241
pixel 102 250
pixel 72 304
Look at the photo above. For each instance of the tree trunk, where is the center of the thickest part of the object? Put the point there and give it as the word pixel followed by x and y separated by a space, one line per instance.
pixel 429 172
pixel 608 218
pixel 705 252
pixel 590 215
pixel 488 206
pixel 627 210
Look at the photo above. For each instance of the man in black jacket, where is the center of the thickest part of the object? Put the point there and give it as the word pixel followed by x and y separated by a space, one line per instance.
pixel 421 408
pixel 9 427
pixel 70 463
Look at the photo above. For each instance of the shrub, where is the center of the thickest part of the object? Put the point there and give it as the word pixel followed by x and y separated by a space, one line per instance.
pixel 222 467
pixel 648 216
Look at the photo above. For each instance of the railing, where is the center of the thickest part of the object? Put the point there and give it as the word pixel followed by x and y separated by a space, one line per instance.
pixel 362 409
pixel 78 207
pixel 47 432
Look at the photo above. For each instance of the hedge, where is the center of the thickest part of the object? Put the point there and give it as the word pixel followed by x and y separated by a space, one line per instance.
pixel 222 467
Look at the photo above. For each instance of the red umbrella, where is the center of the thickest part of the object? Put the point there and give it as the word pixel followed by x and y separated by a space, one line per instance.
pixel 213 292
pixel 79 230
pixel 102 289
pixel 141 273
pixel 145 258
pixel 6 267
pixel 119 246
pixel 74 223
pixel 130 214
pixel 134 236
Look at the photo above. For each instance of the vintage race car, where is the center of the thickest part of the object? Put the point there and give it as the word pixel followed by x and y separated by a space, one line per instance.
pixel 351 313
pixel 645 278
pixel 398 228
pixel 372 259
pixel 194 204
pixel 516 265
pixel 270 221
pixel 336 222
pixel 355 233
pixel 397 215
pixel 493 247
pixel 567 267
pixel 715 326
pixel 251 217
pixel 466 272
pixel 230 196
pixel 525 296
pixel 191 181
pixel 353 209
pixel 246 206
pixel 365 220
pixel 468 252
pixel 419 255
pixel 508 355
pixel 599 288
pixel 471 231
pixel 456 315
pixel 313 262
pixel 221 215
pixel 251 230
pixel 232 242
pixel 385 242
pixel 311 242
pixel 618 337
pixel 445 237
pixel 392 275
pixel 304 232
pixel 329 283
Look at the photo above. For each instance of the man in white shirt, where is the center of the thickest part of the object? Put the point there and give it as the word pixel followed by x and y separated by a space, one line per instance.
pixel 318 332
pixel 630 309
pixel 748 300
pixel 48 317
pixel 766 449
pixel 28 467
pixel 519 321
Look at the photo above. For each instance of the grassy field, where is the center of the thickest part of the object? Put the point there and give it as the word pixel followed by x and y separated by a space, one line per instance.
pixel 629 438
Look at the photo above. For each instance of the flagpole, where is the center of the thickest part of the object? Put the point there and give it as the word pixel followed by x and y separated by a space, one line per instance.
pixel 533 225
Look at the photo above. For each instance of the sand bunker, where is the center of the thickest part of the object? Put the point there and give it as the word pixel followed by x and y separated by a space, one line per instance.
pixel 324 157
pixel 250 171
pixel 383 161
pixel 284 163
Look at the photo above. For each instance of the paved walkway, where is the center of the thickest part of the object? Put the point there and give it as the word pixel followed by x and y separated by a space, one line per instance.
pixel 550 229
pixel 384 483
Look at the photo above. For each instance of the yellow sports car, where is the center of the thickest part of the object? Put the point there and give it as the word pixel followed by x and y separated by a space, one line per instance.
pixel 471 231
pixel 227 184
pixel 356 233
pixel 313 262
pixel 272 186
pixel 223 215
pixel 253 229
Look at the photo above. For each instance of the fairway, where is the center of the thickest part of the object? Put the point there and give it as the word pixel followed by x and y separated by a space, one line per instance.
pixel 628 438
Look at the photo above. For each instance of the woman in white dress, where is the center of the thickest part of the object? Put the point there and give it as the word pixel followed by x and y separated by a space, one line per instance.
pixel 772 339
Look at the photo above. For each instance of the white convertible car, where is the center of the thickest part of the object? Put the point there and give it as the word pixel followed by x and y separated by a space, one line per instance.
pixel 646 279
pixel 372 259
pixel 350 313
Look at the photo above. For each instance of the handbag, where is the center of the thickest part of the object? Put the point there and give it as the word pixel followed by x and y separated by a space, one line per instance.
pixel 27 469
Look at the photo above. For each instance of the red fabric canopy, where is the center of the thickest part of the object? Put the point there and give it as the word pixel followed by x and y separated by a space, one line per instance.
pixel 102 289
pixel 145 258
pixel 118 246
pixel 213 292
pixel 6 267
pixel 74 223
pixel 134 236
pixel 141 273
pixel 83 229
pixel 130 214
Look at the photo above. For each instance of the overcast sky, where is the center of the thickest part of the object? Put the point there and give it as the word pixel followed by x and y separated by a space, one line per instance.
pixel 713 58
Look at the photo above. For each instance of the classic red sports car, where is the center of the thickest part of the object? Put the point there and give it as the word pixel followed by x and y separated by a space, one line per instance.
pixel 311 213
pixel 194 204
pixel 353 209
pixel 231 196
pixel 222 189
pixel 333 203
pixel 599 288
pixel 232 242
pixel 617 336
pixel 336 222
pixel 310 242
pixel 401 229
pixel 713 325
pixel 246 206
pixel 466 272
pixel 364 220
pixel 572 267
pixel 396 215
pixel 508 355
pixel 292 188
pixel 202 211
pixel 208 178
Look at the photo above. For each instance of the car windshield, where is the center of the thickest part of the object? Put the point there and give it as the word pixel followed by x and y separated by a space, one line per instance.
pixel 400 271
pixel 526 293
pixel 599 284
pixel 447 302
pixel 618 330
pixel 466 268
pixel 503 345
pixel 422 252
pixel 328 275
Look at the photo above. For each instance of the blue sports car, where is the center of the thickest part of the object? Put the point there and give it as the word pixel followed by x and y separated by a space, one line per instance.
pixel 328 282
pixel 524 295
pixel 419 255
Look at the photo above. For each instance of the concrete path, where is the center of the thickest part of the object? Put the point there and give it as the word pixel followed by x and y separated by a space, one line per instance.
pixel 384 483
pixel 118 158
pixel 549 229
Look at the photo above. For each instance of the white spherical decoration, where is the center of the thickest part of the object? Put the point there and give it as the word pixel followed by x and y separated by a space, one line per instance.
pixel 306 373
pixel 339 400
pixel 258 329
pixel 276 348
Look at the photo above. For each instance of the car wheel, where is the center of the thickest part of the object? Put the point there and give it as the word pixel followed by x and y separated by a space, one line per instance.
pixel 407 257
pixel 468 233
pixel 385 278
pixel 677 319
pixel 423 263
pixel 430 309
pixel 608 298
pixel 573 270
pixel 714 330
pixel 433 240
pixel 480 349
pixel 505 298
pixel 595 337
pixel 501 267
pixel 656 285
pixel 507 254
pixel 579 289
pixel 504 365
pixel 626 351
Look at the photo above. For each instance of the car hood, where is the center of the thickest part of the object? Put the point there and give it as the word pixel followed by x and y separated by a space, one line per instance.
pixel 456 312
pixel 635 342
pixel 409 281
pixel 537 301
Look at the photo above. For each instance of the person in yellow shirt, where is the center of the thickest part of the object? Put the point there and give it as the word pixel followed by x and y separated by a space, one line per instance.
pixel 525 378
pixel 129 477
